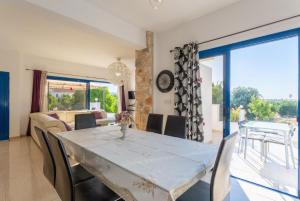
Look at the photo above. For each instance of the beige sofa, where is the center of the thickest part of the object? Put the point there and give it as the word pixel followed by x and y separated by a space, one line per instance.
pixel 47 123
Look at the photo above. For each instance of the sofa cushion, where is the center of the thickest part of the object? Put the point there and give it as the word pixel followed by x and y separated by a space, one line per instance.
pixel 98 115
pixel 55 116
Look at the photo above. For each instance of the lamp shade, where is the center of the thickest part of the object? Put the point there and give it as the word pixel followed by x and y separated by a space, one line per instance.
pixel 131 95
pixel 119 73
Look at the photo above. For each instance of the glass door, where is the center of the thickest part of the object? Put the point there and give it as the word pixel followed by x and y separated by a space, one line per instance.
pixel 260 101
pixel 263 110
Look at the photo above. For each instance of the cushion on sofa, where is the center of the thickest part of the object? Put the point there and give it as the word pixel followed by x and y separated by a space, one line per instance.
pixel 55 116
pixel 98 115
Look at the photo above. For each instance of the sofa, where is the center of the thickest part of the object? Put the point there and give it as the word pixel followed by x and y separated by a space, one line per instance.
pixel 56 126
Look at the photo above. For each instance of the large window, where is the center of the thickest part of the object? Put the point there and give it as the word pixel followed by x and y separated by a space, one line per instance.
pixel 66 94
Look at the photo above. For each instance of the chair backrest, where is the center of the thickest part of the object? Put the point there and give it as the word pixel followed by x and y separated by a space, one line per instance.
pixel 48 160
pixel 155 123
pixel 292 130
pixel 83 121
pixel 64 184
pixel 175 126
pixel 220 180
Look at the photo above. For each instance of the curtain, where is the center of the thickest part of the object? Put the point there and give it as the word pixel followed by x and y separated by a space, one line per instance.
pixel 36 95
pixel 188 101
pixel 44 93
pixel 123 101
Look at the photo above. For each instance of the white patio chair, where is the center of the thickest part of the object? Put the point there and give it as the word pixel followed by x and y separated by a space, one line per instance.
pixel 279 138
pixel 254 135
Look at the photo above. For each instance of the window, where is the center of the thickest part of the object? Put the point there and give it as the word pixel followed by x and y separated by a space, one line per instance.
pixel 103 96
pixel 67 94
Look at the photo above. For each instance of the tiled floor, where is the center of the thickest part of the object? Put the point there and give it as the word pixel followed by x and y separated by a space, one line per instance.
pixel 21 177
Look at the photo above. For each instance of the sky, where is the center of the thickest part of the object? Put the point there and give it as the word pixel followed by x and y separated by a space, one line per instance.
pixel 272 68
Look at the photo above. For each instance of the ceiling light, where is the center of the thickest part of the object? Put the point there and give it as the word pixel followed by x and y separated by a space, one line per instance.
pixel 119 72
pixel 155 3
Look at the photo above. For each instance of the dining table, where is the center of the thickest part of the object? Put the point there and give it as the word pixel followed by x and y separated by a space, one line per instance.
pixel 268 128
pixel 142 166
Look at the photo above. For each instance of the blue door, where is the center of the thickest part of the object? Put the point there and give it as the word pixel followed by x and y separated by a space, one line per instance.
pixel 4 105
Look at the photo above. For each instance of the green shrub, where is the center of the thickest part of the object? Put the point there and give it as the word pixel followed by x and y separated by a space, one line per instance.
pixel 288 108
pixel 261 109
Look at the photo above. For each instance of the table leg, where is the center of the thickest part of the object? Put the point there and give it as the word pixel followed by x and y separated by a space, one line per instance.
pixel 246 140
pixel 286 152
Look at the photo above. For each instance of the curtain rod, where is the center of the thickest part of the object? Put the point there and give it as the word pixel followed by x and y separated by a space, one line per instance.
pixel 250 29
pixel 98 78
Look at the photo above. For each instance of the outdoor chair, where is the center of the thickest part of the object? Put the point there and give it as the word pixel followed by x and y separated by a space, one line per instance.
pixel 279 138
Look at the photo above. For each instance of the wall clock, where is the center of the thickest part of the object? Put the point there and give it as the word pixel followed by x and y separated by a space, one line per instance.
pixel 165 81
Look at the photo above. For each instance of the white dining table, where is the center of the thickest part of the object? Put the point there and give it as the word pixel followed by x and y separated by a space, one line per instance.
pixel 267 127
pixel 143 166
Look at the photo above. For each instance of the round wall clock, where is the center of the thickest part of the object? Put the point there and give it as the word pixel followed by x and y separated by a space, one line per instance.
pixel 165 81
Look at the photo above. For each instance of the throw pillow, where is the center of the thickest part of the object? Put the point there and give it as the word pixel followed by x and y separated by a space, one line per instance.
pixel 98 115
pixel 55 116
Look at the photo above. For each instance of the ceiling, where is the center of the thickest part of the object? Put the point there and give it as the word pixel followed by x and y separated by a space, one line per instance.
pixel 170 14
pixel 33 30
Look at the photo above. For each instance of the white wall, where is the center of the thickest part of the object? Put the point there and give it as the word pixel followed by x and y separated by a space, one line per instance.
pixel 237 17
pixel 206 94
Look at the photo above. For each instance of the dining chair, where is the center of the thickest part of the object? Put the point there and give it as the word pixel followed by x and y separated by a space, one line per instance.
pixel 83 121
pixel 48 160
pixel 155 123
pixel 49 168
pixel 284 139
pixel 175 126
pixel 65 185
pixel 253 135
pixel 219 187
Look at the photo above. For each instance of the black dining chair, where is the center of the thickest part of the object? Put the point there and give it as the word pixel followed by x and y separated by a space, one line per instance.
pixel 48 160
pixel 155 123
pixel 175 126
pixel 49 169
pixel 219 187
pixel 83 121
pixel 65 186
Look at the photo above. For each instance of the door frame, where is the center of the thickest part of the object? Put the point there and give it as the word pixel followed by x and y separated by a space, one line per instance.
pixel 6 108
pixel 225 51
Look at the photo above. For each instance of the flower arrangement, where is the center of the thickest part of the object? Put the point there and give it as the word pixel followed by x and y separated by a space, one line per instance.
pixel 124 118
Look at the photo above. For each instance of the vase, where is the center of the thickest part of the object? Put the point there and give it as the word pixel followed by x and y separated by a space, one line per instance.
pixel 124 128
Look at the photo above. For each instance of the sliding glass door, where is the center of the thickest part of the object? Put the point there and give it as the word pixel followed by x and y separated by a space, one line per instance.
pixel 264 94
pixel 260 98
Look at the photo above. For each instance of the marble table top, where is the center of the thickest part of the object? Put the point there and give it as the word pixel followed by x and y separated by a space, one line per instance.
pixel 142 166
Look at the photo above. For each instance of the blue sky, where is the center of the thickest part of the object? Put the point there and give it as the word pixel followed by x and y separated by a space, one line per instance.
pixel 270 67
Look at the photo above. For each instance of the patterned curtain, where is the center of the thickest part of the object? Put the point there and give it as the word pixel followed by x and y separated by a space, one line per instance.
pixel 188 101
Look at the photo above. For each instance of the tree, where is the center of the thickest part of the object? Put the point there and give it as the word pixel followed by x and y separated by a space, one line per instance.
pixel 108 101
pixel 99 93
pixel 261 109
pixel 217 93
pixel 65 102
pixel 78 100
pixel 288 108
pixel 52 102
pixel 243 95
